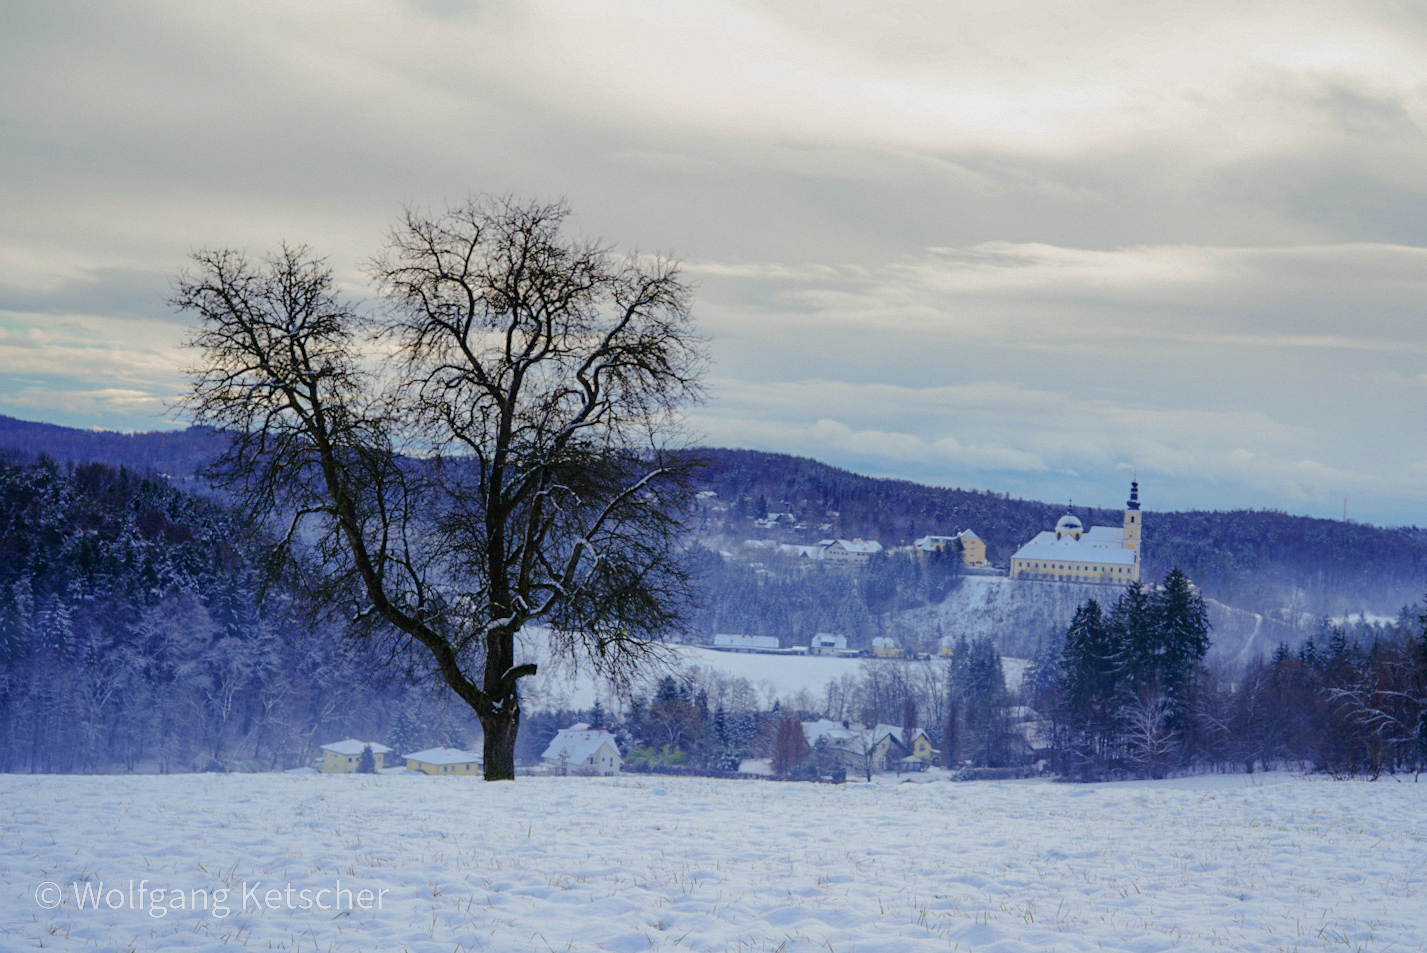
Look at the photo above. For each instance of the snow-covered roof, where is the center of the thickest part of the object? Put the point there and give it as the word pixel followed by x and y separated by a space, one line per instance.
pixel 444 756
pixel 867 546
pixel 838 736
pixel 353 746
pixel 733 641
pixel 1090 548
pixel 881 731
pixel 833 731
pixel 576 744
pixel 793 549
pixel 967 534
pixel 1104 536
pixel 829 640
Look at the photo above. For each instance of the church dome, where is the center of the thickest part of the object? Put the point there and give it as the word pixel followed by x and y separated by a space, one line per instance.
pixel 1068 524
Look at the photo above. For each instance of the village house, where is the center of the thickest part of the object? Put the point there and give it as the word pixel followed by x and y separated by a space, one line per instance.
pixel 582 749
pixel 885 647
pixel 968 544
pixel 851 552
pixel 827 643
pixel 859 750
pixel 343 757
pixel 444 761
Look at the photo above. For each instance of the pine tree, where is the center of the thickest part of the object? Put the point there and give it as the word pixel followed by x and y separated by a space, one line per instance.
pixel 1089 667
pixel 407 736
pixel 1181 626
pixel 367 763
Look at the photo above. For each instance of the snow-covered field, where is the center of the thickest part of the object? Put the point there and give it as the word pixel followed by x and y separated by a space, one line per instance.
pixel 629 864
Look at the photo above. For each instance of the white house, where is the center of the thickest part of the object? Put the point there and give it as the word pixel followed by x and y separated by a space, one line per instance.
pixel 729 642
pixel 827 643
pixel 850 551
pixel 582 747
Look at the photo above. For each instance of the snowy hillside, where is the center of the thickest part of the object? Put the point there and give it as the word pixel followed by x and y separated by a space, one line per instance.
pixel 628 865
pixel 1020 613
pixel 772 676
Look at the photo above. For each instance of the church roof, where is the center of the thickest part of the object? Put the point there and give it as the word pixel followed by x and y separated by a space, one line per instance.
pixel 1102 544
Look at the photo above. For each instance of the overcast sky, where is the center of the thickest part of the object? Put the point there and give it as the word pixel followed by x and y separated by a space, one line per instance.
pixel 1024 246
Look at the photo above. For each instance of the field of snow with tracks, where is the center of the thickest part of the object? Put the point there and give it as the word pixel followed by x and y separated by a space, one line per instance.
pixel 1263 862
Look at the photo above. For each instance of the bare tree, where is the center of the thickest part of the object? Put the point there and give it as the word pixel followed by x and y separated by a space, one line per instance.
pixel 515 458
pixel 790 747
pixel 1150 738
pixel 949 738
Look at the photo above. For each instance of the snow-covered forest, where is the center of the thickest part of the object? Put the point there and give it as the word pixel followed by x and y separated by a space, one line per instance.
pixel 136 634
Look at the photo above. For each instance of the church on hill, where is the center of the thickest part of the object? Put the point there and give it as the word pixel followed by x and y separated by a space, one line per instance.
pixel 1072 553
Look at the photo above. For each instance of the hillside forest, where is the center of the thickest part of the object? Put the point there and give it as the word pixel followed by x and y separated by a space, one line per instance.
pixel 137 632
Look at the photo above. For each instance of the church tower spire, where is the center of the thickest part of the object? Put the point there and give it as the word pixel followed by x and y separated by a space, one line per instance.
pixel 1132 522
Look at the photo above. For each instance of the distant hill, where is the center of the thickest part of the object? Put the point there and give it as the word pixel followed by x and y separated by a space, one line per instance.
pixel 1286 567
pixel 1261 561
pixel 178 455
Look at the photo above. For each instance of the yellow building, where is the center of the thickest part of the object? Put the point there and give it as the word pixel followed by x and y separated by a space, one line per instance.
pixel 883 647
pixel 1071 553
pixel 971 547
pixel 444 761
pixel 342 757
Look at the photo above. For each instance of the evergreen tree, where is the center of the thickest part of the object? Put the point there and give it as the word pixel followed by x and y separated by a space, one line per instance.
pixel 406 736
pixel 1180 622
pixel 1089 675
pixel 367 763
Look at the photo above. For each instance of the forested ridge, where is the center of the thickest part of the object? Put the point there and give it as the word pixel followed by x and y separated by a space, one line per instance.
pixel 1262 561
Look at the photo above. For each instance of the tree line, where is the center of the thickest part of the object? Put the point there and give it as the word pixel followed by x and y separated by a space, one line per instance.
pixel 1127 694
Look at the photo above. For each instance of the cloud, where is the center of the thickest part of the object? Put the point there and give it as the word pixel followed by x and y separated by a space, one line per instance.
pixel 1021 241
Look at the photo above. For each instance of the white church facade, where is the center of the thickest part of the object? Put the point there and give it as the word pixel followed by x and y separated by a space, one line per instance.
pixel 1072 553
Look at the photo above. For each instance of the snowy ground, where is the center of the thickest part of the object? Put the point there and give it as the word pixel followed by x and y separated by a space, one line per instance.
pixel 630 864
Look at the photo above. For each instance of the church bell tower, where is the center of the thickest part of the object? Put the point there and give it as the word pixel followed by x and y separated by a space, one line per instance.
pixel 1132 522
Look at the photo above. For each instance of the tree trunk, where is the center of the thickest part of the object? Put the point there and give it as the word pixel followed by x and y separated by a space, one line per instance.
pixel 498 748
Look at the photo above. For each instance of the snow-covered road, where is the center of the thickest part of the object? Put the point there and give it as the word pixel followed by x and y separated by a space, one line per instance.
pixel 628 864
